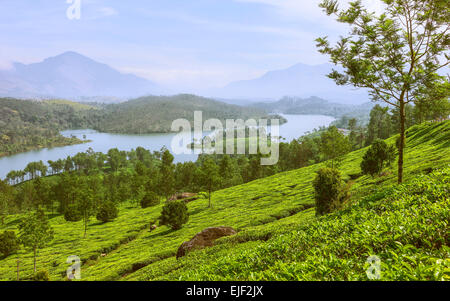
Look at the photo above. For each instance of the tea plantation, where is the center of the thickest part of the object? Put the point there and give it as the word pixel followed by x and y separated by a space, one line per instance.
pixel 279 238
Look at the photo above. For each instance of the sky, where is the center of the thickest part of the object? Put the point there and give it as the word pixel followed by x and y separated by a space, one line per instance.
pixel 176 43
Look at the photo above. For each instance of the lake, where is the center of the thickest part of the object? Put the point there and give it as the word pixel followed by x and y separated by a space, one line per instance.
pixel 296 126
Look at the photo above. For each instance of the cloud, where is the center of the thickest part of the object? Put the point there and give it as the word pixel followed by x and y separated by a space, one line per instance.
pixel 107 11
pixel 216 25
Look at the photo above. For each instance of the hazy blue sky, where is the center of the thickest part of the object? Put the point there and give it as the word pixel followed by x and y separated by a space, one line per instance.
pixel 184 43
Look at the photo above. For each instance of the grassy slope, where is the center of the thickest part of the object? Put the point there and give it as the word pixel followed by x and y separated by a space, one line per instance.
pixel 262 210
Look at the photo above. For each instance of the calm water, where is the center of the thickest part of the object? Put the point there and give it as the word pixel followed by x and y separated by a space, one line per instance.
pixel 101 142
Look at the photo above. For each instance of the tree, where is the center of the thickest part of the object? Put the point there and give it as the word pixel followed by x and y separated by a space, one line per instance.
pixel 107 212
pixel 115 159
pixel 42 190
pixel 35 232
pixel 377 156
pixel 330 190
pixel 41 276
pixel 73 214
pixel 174 214
pixel 150 199
pixel 209 177
pixel 167 179
pixel 9 244
pixel 434 104
pixel 380 124
pixel 395 55
pixel 333 144
pixel 85 203
pixel 6 196
pixel 4 207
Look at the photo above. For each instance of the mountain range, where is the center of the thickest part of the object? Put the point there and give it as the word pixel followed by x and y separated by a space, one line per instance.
pixel 299 80
pixel 77 77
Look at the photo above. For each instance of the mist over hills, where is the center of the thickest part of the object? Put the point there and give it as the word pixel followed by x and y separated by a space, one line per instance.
pixel 314 105
pixel 71 75
pixel 299 80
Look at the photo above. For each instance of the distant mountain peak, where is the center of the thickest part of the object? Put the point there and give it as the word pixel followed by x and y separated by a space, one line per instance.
pixel 72 75
pixel 300 80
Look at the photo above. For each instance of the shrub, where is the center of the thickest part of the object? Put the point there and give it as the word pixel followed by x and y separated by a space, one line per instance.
pixel 9 244
pixel 107 212
pixel 203 195
pixel 73 214
pixel 174 214
pixel 377 157
pixel 41 276
pixel 330 190
pixel 150 199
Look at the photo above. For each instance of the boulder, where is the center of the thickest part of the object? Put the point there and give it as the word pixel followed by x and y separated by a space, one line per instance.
pixel 184 195
pixel 204 239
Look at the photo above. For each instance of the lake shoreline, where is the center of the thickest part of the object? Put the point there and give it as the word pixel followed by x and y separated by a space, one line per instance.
pixel 297 126
pixel 53 145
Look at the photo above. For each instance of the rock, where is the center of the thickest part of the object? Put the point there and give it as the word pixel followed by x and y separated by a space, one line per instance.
pixel 153 227
pixel 103 255
pixel 204 239
pixel 181 196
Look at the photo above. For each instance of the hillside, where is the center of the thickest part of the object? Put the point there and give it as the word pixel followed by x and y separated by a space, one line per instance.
pixel 279 236
pixel 155 114
pixel 27 125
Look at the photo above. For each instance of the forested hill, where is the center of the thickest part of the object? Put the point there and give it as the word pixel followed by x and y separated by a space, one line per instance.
pixel 155 114
pixel 314 105
pixel 26 125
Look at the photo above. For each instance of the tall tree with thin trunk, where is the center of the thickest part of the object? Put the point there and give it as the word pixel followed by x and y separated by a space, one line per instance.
pixel 35 232
pixel 209 177
pixel 395 55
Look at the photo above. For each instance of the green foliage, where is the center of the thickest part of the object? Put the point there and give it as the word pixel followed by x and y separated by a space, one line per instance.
pixel 41 276
pixel 107 212
pixel 9 244
pixel 393 224
pixel 208 176
pixel 167 176
pixel 377 157
pixel 330 190
pixel 334 144
pixel 150 199
pixel 272 211
pixel 35 232
pixel 116 117
pixel 395 54
pixel 27 125
pixel 174 214
pixel 73 214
